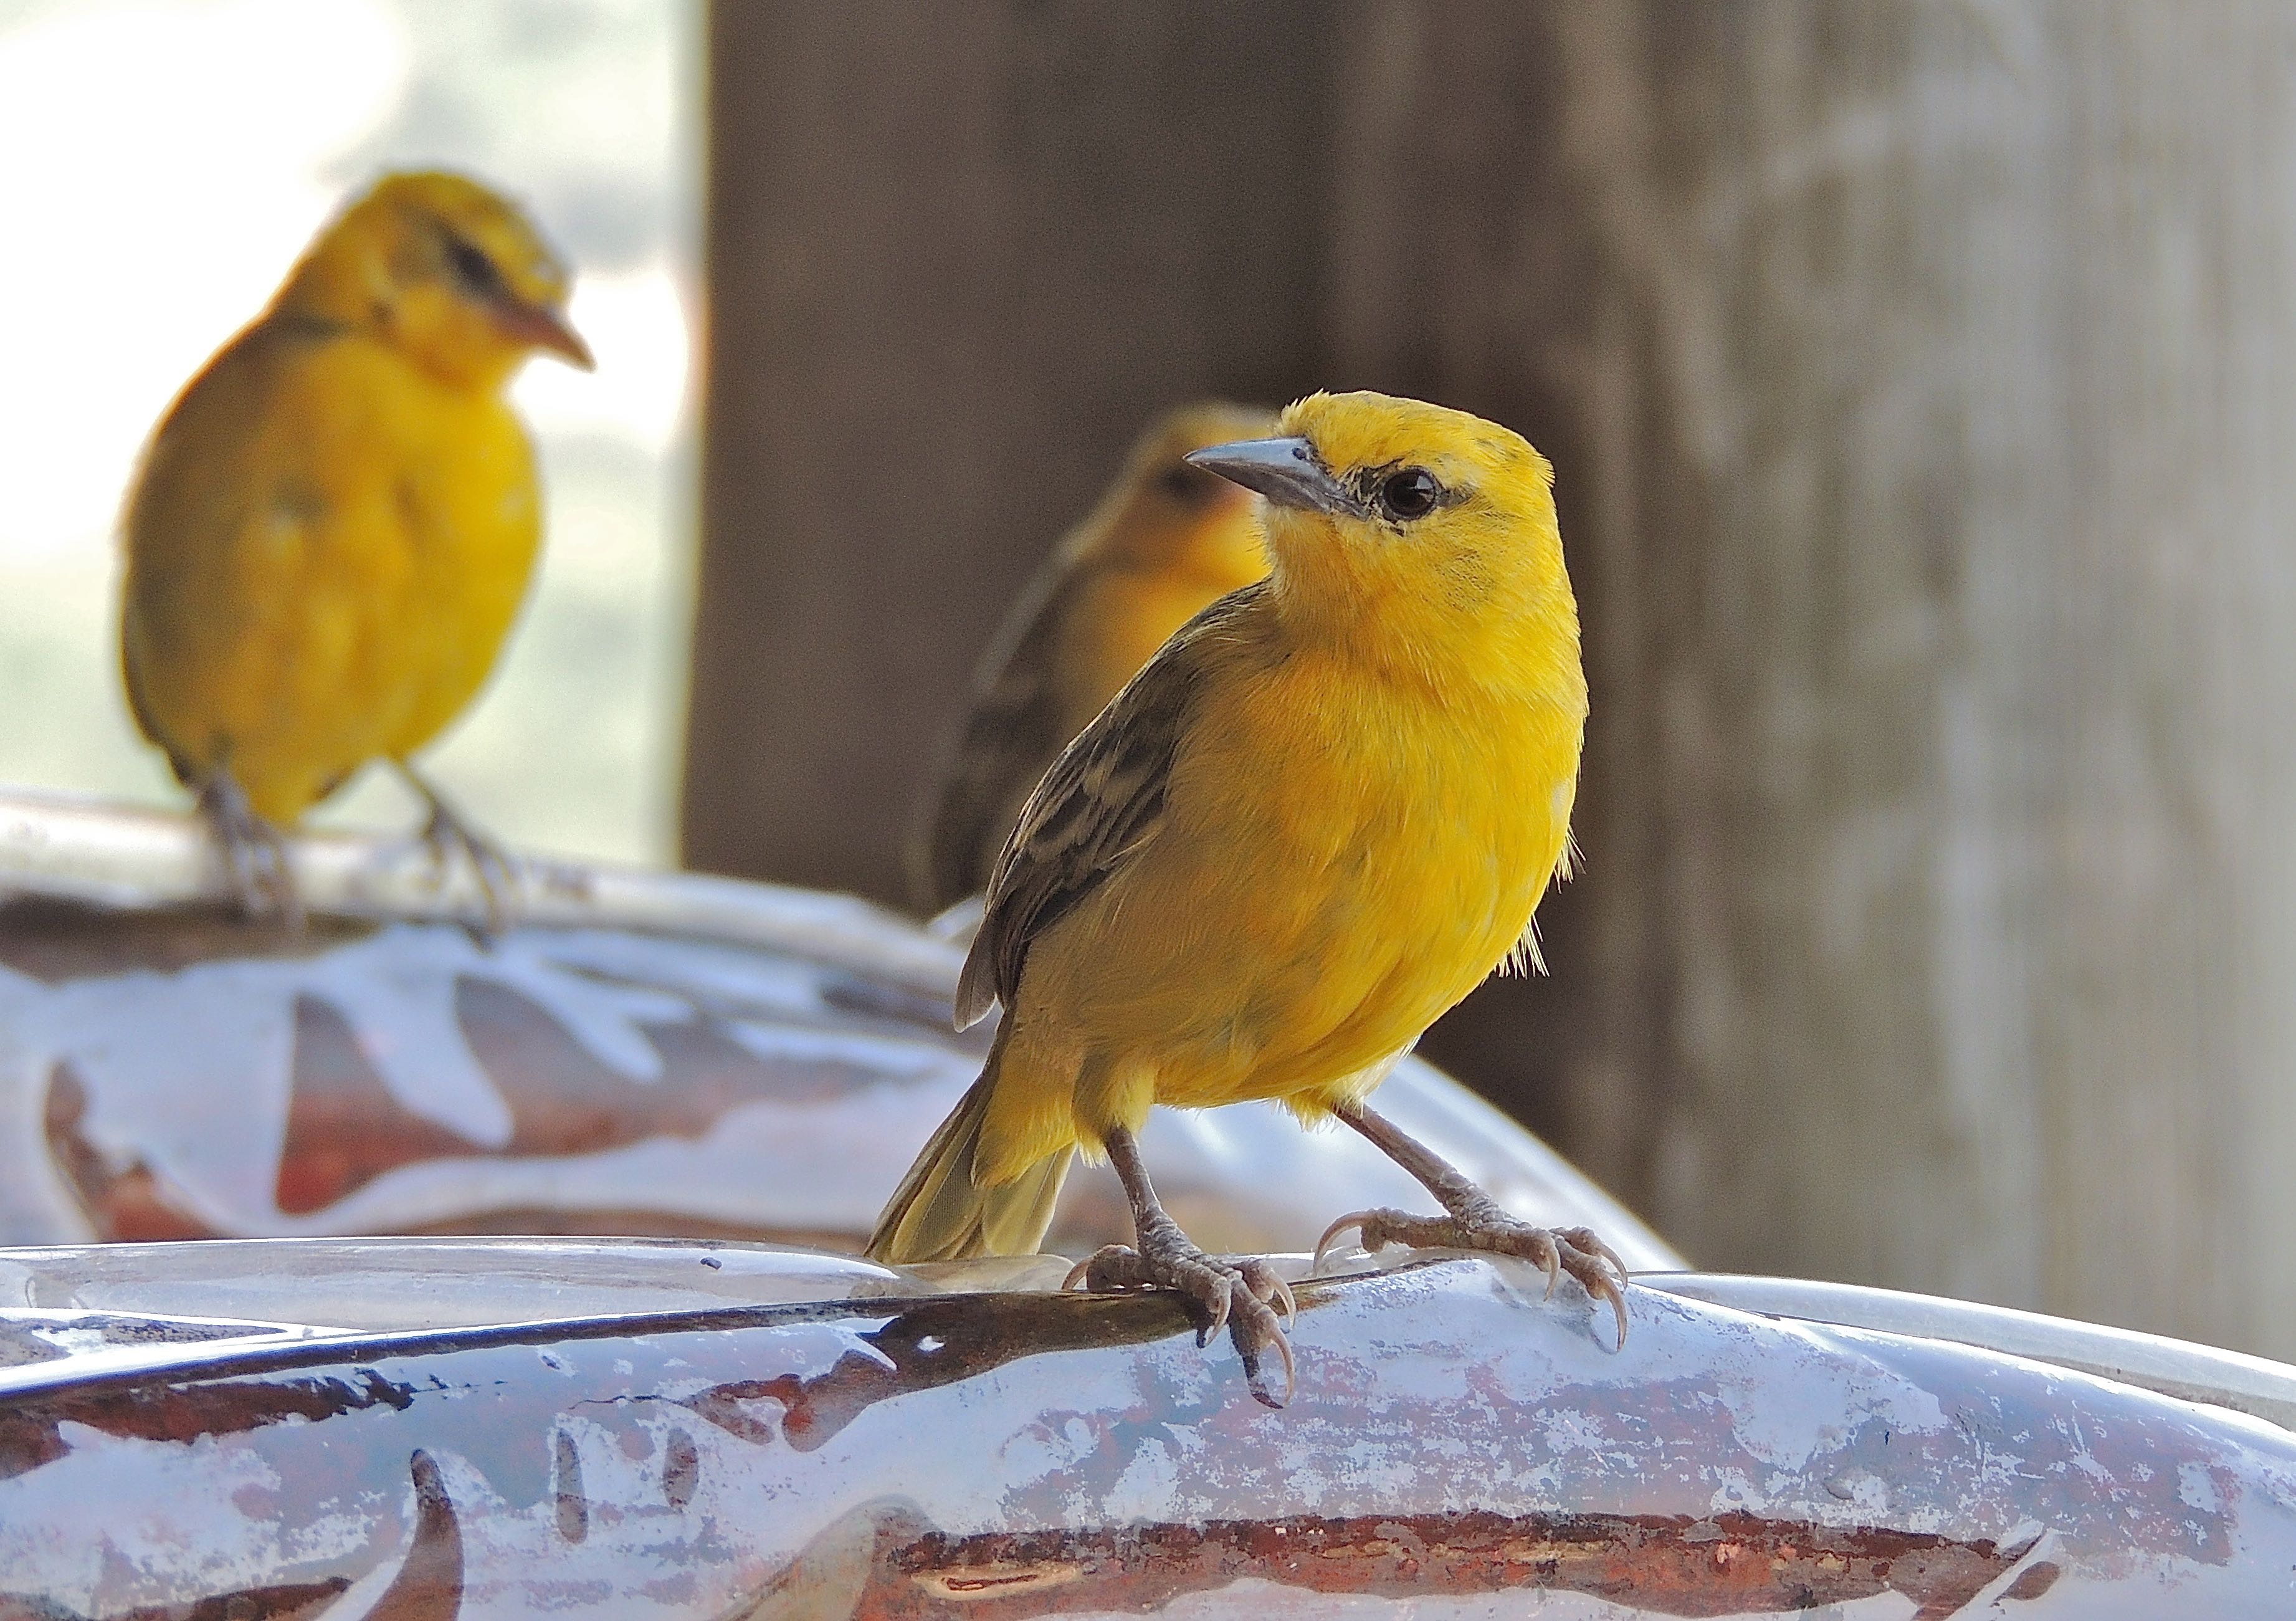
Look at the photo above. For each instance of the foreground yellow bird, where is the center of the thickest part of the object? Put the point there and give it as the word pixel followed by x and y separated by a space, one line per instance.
pixel 334 523
pixel 1166 540
pixel 1316 819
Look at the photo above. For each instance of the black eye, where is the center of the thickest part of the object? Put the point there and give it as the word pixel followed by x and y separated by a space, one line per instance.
pixel 1410 494
pixel 473 269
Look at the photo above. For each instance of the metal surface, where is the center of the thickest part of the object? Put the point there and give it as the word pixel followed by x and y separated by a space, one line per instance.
pixel 648 1052
pixel 2174 1367
pixel 1457 1447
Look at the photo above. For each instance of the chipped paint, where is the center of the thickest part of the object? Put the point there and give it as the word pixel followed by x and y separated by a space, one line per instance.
pixel 1455 1438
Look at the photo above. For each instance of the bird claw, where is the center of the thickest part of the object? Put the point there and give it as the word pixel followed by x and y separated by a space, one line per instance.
pixel 1238 1293
pixel 1574 1250
pixel 499 874
pixel 254 854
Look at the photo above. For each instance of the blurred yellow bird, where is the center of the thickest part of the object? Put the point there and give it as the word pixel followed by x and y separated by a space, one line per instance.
pixel 1320 816
pixel 334 523
pixel 1165 541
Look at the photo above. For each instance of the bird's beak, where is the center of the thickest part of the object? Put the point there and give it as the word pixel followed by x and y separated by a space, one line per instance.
pixel 544 326
pixel 1287 470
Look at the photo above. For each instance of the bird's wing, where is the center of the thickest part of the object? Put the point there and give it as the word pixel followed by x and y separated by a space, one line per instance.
pixel 1011 732
pixel 1101 802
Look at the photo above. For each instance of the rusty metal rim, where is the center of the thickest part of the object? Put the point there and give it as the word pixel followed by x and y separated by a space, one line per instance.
pixel 261 1353
pixel 101 854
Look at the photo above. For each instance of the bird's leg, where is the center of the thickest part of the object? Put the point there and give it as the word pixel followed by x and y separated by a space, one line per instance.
pixel 1474 1221
pixel 254 851
pixel 447 832
pixel 1235 1290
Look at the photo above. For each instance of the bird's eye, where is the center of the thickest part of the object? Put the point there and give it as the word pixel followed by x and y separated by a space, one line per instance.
pixel 1409 494
pixel 472 268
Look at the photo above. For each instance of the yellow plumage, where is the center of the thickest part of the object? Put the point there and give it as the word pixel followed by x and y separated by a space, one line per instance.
pixel 1322 814
pixel 335 523
pixel 1165 540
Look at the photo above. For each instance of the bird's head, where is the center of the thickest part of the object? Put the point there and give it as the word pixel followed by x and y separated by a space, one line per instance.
pixel 1163 514
pixel 1406 520
pixel 445 271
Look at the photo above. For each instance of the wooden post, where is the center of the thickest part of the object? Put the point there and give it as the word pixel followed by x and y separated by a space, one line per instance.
pixel 958 254
pixel 1927 381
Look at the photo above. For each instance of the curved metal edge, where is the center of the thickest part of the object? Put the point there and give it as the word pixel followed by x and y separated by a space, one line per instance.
pixel 2256 1386
pixel 116 857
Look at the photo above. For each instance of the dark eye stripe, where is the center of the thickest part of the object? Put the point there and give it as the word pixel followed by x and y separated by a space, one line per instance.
pixel 477 274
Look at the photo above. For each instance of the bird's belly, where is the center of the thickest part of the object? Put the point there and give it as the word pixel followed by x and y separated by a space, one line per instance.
pixel 1282 943
pixel 286 677
pixel 466 602
pixel 333 646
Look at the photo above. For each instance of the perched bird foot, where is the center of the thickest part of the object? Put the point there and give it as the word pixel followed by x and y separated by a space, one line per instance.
pixel 1480 1224
pixel 254 854
pixel 447 834
pixel 1238 1292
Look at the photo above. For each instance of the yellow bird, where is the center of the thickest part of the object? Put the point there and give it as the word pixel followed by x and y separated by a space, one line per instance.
pixel 1165 541
pixel 334 523
pixel 1316 819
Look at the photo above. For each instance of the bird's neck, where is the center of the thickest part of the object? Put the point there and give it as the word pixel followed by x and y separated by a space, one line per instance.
pixel 348 291
pixel 1515 636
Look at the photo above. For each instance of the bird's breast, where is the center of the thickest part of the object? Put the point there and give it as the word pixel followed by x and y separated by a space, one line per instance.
pixel 1342 861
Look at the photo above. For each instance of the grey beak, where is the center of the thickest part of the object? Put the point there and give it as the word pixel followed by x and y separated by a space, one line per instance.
pixel 1287 470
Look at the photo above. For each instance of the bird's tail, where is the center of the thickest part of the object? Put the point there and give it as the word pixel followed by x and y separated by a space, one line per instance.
pixel 940 1212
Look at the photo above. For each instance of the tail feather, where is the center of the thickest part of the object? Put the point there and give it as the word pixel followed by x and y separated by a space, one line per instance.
pixel 940 1213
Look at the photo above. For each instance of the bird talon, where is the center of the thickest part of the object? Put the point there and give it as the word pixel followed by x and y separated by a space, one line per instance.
pixel 1219 1318
pixel 1249 1352
pixel 1580 1237
pixel 1358 1219
pixel 1291 1302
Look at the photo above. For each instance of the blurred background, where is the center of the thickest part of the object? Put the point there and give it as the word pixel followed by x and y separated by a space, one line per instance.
pixel 1920 380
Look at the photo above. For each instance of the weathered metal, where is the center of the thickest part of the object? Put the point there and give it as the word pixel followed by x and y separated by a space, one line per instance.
pixel 853 1446
pixel 648 1053
pixel 295 1421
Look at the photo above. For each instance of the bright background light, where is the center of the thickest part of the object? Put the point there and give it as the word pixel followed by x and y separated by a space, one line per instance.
pixel 167 161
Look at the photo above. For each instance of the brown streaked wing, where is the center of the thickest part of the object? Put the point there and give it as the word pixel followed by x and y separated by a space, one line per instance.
pixel 1101 802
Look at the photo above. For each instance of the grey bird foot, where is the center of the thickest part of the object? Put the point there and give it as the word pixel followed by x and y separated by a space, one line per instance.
pixel 446 835
pixel 254 854
pixel 1237 1292
pixel 1485 1226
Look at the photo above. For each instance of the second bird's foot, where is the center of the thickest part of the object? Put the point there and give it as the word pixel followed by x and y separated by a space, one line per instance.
pixel 1238 1292
pixel 499 875
pixel 254 855
pixel 1574 1250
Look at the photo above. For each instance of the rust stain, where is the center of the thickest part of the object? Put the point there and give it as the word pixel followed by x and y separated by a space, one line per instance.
pixel 122 1204
pixel 57 941
pixel 429 1586
pixel 569 1503
pixel 288 1602
pixel 2034 1580
pixel 1733 1564
pixel 934 1343
pixel 344 1129
pixel 681 1469
pixel 31 1427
